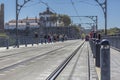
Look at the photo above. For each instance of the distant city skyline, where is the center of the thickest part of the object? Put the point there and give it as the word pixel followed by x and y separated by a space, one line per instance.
pixel 83 8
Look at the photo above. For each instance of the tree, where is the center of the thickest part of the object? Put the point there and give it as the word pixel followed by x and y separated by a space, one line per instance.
pixel 65 19
pixel 53 17
pixel 113 31
pixel 78 31
pixel 77 28
pixel 61 18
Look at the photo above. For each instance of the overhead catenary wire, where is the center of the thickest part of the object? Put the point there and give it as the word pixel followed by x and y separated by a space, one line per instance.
pixel 75 9
pixel 47 5
pixel 85 2
pixel 39 2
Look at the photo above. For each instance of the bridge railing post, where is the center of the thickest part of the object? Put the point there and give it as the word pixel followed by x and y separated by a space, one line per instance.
pixel 92 44
pixel 94 48
pixel 25 41
pixel 105 59
pixel 7 43
pixel 97 58
pixel 32 41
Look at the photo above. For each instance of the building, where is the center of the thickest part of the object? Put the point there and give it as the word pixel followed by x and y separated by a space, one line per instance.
pixel 1 17
pixel 46 19
pixel 47 23
pixel 50 19
pixel 23 23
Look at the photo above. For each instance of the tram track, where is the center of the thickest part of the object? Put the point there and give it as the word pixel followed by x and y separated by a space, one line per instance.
pixel 22 52
pixel 61 67
pixel 19 53
pixel 30 59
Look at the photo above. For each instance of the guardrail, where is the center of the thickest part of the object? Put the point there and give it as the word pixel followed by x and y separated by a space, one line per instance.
pixel 114 41
pixel 11 41
pixel 25 40
pixel 101 53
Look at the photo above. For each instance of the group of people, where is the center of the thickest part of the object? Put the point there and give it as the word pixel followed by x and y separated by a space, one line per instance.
pixel 49 38
pixel 93 35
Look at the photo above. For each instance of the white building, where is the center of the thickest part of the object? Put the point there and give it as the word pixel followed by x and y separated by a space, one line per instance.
pixel 22 24
pixel 47 19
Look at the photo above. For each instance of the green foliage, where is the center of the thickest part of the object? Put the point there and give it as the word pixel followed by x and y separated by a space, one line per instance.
pixel 53 17
pixel 3 35
pixel 77 29
pixel 101 32
pixel 83 35
pixel 12 41
pixel 65 19
pixel 111 31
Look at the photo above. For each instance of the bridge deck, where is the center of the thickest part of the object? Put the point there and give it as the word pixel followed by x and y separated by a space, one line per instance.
pixel 83 68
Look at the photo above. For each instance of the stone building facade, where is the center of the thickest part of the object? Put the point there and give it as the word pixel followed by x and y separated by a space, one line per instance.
pixel 1 17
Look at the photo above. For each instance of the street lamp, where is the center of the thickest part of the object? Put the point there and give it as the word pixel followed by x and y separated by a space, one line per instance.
pixel 18 8
pixel 103 5
pixel 27 27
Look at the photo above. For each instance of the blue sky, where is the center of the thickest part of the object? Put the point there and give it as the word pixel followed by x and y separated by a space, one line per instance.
pixel 83 7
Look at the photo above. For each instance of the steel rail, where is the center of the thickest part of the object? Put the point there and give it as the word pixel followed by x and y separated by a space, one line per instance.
pixel 33 58
pixel 60 68
pixel 34 49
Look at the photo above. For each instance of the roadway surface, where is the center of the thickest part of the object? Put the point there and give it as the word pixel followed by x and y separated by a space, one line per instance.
pixel 34 63
pixel 40 61
pixel 77 69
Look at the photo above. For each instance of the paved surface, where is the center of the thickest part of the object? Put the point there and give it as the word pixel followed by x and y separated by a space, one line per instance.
pixel 34 63
pixel 81 67
pixel 93 71
pixel 77 69
pixel 22 64
pixel 115 63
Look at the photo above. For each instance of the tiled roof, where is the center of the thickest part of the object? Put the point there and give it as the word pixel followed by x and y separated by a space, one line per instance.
pixel 24 20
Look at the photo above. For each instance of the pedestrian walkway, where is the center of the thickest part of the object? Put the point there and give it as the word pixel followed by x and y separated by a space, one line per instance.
pixel 114 63
pixel 93 71
pixel 81 67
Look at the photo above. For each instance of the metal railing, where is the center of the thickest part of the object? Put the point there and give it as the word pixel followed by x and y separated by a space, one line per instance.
pixel 11 41
pixel 28 40
pixel 114 41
